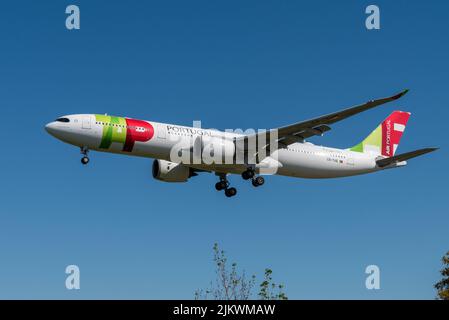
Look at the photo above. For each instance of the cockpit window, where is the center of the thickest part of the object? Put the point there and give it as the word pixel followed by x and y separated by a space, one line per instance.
pixel 63 119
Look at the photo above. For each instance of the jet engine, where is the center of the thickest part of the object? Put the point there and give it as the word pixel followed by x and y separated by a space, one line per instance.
pixel 171 172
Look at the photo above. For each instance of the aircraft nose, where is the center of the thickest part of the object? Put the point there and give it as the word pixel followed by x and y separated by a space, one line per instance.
pixel 50 128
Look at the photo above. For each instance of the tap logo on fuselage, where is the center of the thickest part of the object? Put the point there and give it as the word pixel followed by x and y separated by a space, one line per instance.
pixel 123 130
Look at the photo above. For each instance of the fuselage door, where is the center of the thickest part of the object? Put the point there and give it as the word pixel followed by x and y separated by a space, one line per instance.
pixel 86 123
pixel 161 131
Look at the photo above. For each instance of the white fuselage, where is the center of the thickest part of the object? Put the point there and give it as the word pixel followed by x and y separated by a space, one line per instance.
pixel 303 160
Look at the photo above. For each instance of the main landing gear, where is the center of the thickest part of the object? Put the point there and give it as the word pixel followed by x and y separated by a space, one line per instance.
pixel 251 174
pixel 258 181
pixel 223 184
pixel 248 174
pixel 85 158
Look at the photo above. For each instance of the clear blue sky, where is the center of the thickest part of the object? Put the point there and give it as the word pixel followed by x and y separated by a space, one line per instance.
pixel 230 64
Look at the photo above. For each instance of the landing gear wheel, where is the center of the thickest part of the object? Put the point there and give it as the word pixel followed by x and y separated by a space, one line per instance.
pixel 248 174
pixel 258 181
pixel 230 192
pixel 84 159
pixel 221 185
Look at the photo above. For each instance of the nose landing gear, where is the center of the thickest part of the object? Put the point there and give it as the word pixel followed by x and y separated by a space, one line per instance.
pixel 85 158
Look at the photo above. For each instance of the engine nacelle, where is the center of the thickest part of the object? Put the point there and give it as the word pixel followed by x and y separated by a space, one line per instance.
pixel 170 172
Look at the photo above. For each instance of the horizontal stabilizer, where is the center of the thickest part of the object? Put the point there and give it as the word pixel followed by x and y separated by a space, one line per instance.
pixel 402 157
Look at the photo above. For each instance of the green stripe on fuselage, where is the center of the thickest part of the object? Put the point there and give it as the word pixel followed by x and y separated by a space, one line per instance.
pixel 114 130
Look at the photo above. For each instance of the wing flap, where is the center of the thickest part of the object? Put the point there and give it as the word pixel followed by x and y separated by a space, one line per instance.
pixel 306 133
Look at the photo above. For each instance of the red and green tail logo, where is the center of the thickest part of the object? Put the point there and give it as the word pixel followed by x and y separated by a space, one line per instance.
pixel 385 139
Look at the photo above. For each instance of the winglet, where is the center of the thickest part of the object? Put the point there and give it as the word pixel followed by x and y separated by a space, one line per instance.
pixel 400 94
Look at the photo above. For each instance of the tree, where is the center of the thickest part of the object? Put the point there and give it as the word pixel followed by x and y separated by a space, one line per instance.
pixel 270 290
pixel 443 285
pixel 230 284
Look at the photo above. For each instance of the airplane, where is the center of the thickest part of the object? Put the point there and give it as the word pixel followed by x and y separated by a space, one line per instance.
pixel 282 151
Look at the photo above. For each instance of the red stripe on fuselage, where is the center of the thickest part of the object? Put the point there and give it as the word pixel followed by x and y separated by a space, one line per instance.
pixel 137 130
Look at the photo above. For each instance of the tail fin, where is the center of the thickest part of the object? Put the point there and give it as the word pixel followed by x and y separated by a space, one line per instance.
pixel 385 139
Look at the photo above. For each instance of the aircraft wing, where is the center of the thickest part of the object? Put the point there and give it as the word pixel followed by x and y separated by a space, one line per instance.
pixel 317 126
pixel 402 157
